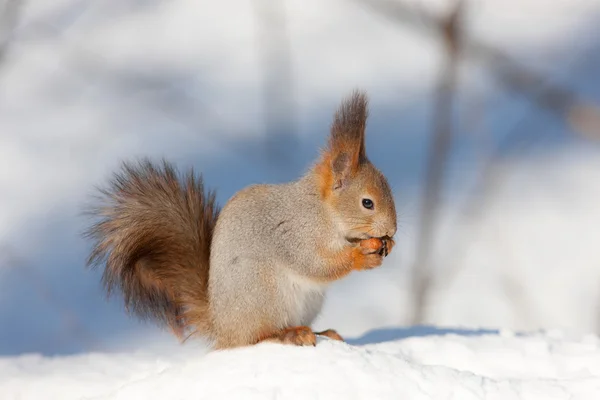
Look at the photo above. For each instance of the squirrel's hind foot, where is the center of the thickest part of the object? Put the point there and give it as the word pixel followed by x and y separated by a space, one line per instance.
pixel 297 335
pixel 301 336
pixel 331 334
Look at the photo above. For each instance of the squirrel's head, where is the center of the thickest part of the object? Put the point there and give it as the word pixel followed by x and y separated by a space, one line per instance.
pixel 356 191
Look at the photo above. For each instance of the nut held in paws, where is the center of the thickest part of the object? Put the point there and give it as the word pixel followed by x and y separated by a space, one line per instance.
pixel 374 244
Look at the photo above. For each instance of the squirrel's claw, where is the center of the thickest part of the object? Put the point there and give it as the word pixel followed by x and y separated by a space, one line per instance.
pixel 380 246
pixel 383 251
pixel 386 248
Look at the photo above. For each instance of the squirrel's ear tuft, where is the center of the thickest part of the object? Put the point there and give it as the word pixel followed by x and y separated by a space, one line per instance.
pixel 347 139
pixel 346 147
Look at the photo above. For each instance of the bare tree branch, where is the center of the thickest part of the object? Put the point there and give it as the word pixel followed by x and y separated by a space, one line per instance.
pixel 582 115
pixel 440 147
pixel 489 182
pixel 9 16
pixel 278 87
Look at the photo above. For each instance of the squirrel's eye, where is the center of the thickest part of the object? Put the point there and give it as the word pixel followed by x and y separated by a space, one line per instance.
pixel 367 203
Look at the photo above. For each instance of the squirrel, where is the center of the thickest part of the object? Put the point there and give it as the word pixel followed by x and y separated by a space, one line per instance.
pixel 256 270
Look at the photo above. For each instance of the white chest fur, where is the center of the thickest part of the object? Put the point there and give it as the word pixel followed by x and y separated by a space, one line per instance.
pixel 303 298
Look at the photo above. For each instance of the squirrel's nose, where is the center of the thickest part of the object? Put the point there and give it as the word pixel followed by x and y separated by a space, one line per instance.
pixel 391 231
pixel 385 228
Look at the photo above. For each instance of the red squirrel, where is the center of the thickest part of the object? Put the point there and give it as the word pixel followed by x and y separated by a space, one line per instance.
pixel 257 269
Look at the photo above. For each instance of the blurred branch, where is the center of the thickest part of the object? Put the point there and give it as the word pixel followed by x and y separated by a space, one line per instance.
pixel 490 181
pixel 440 147
pixel 558 100
pixel 137 89
pixel 9 16
pixel 583 117
pixel 278 91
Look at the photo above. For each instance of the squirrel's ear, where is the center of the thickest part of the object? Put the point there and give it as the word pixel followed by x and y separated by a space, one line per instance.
pixel 341 168
pixel 347 139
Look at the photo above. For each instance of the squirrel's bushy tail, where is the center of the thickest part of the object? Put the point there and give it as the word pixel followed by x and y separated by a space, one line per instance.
pixel 153 237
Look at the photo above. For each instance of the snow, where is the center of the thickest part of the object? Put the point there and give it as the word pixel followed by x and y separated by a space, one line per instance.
pixel 416 363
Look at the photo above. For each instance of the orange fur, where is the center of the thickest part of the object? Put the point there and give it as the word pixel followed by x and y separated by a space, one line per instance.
pixel 324 170
pixel 351 258
pixel 362 261
pixel 297 335
pixel 374 244
pixel 331 334
pixel 324 175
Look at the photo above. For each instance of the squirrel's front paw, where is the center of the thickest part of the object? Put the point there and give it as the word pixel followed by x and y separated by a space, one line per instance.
pixel 372 260
pixel 382 246
pixel 388 244
pixel 370 253
pixel 372 245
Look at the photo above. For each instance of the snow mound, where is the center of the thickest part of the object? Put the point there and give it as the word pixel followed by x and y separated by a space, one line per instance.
pixel 418 363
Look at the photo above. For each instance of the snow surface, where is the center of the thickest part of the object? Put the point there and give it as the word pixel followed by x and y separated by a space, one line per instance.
pixel 416 363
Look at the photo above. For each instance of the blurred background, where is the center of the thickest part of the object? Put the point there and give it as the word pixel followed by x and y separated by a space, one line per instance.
pixel 484 116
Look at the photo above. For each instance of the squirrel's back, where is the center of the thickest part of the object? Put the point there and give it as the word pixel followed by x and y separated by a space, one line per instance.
pixel 265 216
